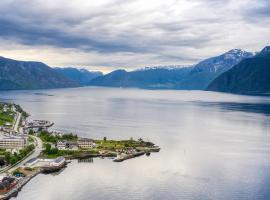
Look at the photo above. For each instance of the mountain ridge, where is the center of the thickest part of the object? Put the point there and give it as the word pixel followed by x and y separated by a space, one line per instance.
pixel 157 78
pixel 16 74
pixel 250 76
pixel 81 76
pixel 193 77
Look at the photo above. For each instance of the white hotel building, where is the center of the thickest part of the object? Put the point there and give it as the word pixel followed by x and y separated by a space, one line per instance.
pixel 13 142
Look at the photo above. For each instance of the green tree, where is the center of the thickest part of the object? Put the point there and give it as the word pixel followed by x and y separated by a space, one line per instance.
pixel 7 156
pixel 31 132
pixel 13 160
pixel 53 151
pixel 47 147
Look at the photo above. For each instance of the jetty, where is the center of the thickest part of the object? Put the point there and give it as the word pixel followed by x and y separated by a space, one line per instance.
pixel 122 157
pixel 139 152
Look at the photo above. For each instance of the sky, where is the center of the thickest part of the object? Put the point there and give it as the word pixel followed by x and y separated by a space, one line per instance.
pixel 110 34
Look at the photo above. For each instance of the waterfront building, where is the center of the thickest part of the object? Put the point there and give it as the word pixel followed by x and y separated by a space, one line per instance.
pixel 57 162
pixel 13 142
pixel 40 162
pixel 47 164
pixel 86 143
pixel 5 108
pixel 67 145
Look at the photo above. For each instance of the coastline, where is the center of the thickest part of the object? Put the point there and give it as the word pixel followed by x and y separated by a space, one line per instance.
pixel 47 159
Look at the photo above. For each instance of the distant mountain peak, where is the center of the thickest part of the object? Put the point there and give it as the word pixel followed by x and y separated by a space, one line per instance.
pixel 81 76
pixel 266 49
pixel 84 70
pixel 237 53
pixel 265 52
pixel 222 62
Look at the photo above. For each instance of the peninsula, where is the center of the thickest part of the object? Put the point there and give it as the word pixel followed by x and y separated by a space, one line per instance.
pixel 28 148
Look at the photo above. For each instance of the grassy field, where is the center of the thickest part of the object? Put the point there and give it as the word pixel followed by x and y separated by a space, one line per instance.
pixel 6 118
pixel 54 153
pixel 121 144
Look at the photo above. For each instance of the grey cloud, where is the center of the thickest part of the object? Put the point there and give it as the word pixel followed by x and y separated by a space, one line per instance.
pixel 32 34
pixel 123 26
pixel 262 10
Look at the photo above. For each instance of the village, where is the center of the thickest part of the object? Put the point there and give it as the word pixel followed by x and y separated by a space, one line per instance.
pixel 28 148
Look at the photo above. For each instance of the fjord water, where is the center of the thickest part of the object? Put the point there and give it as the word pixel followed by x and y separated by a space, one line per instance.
pixel 213 145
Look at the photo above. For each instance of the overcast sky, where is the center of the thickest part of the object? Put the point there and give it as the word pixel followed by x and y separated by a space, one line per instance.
pixel 108 34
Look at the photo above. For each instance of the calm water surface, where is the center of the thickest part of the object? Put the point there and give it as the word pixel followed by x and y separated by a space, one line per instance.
pixel 214 146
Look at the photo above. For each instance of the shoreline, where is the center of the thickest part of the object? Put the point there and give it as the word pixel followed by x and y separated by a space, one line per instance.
pixel 47 159
pixel 14 191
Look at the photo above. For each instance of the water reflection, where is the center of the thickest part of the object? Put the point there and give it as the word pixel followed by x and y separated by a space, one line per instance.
pixel 86 160
pixel 213 146
pixel 261 108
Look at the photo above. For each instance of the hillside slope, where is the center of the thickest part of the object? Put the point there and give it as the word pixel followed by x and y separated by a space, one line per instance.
pixel 30 75
pixel 251 76
pixel 207 70
pixel 81 76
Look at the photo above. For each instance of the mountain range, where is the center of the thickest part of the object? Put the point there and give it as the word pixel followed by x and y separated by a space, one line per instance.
pixel 150 78
pixel 250 76
pixel 196 77
pixel 235 71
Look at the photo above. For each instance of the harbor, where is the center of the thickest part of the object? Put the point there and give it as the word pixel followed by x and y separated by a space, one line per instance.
pixel 39 124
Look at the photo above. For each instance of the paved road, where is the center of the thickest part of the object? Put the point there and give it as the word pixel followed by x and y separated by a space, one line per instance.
pixel 17 122
pixel 35 154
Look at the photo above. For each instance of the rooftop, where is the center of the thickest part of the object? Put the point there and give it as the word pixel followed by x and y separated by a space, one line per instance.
pixel 59 159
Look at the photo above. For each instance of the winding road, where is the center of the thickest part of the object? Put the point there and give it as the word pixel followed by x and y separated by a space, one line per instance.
pixel 35 154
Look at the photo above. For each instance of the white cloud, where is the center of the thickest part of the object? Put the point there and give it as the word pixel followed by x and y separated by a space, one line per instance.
pixel 130 33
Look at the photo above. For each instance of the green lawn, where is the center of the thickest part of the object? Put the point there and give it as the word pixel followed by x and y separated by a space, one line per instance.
pixel 121 144
pixel 6 117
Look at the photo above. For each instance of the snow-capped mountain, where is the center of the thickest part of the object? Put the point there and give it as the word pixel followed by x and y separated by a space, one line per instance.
pixel 250 76
pixel 207 70
pixel 151 78
pixel 196 77
pixel 168 67
pixel 222 62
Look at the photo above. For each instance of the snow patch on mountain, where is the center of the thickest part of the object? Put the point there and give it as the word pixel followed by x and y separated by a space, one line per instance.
pixel 169 67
